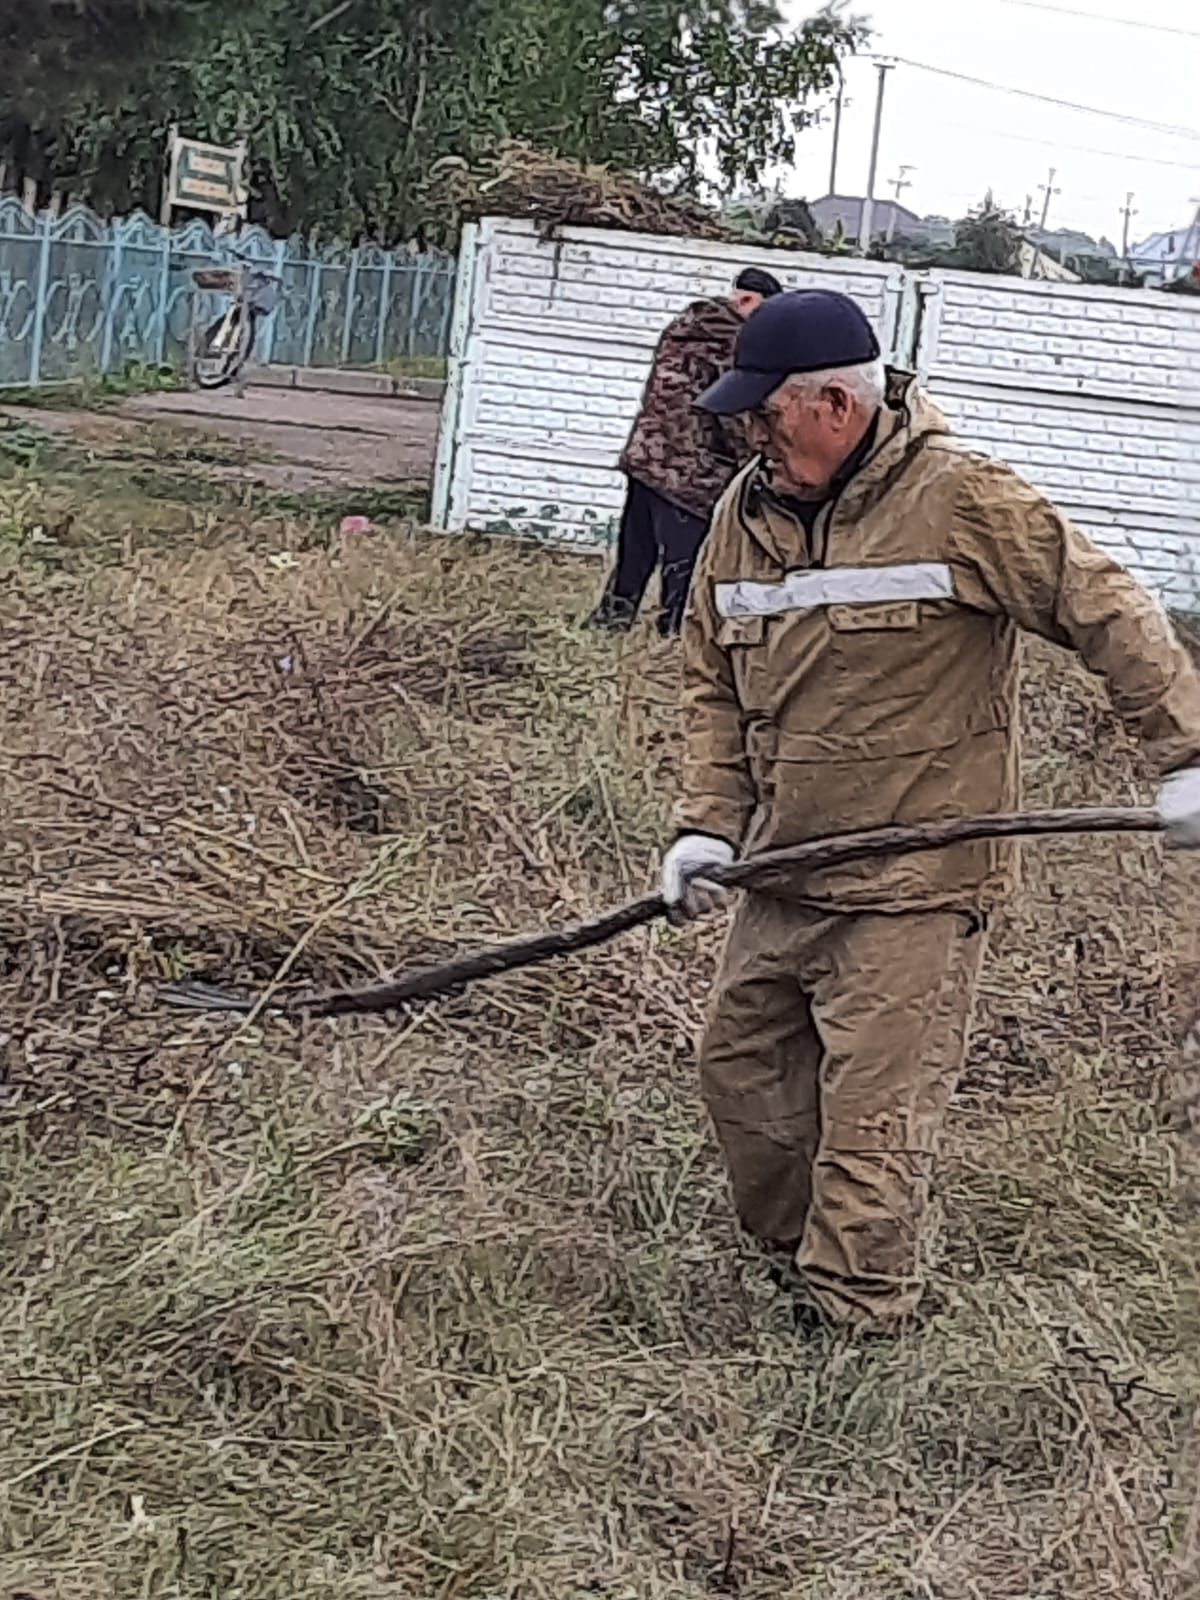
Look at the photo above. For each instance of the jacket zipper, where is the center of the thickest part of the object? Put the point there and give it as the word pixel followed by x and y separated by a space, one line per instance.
pixel 821 527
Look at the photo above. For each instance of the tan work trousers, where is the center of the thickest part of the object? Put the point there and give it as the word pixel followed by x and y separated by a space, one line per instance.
pixel 832 1049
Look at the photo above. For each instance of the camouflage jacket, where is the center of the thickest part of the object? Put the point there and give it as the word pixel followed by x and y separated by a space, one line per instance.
pixel 686 455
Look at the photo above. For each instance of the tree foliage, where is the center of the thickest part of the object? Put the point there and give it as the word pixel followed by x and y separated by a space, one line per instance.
pixel 348 105
pixel 987 239
pixel 49 49
pixel 65 61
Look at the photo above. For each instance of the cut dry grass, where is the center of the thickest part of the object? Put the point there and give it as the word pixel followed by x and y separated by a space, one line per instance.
pixel 453 1306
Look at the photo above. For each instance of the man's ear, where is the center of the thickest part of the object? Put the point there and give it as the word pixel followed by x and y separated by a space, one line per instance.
pixel 839 402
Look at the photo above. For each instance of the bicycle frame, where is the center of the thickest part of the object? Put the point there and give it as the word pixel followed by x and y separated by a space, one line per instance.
pixel 253 294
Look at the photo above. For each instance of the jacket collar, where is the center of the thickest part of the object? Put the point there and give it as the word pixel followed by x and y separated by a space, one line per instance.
pixel 905 423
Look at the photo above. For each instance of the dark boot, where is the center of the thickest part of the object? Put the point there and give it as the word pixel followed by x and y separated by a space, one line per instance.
pixel 612 615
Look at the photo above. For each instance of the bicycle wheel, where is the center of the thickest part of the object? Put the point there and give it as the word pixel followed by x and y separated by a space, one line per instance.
pixel 224 348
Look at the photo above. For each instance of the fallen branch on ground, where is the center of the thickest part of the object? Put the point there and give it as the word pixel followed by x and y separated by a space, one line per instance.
pixel 794 863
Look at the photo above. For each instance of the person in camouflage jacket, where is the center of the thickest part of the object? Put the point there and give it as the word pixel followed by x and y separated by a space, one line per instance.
pixel 678 459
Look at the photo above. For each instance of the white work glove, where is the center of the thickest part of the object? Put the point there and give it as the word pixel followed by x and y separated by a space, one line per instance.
pixel 1179 806
pixel 685 889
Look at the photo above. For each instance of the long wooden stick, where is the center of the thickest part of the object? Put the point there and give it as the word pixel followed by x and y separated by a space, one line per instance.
pixel 793 864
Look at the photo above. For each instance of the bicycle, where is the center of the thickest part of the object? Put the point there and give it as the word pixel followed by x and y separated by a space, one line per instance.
pixel 221 352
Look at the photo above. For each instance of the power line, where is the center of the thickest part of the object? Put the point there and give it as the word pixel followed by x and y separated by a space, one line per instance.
pixel 1068 105
pixel 1078 149
pixel 1096 16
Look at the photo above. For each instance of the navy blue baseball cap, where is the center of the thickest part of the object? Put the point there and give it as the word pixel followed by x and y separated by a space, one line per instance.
pixel 806 330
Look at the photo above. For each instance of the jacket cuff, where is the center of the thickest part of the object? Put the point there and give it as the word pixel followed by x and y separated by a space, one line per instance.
pixel 715 818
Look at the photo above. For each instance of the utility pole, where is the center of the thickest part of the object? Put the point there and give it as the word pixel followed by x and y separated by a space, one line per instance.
pixel 899 185
pixel 838 106
pixel 902 182
pixel 1028 217
pixel 868 206
pixel 1049 191
pixel 1128 213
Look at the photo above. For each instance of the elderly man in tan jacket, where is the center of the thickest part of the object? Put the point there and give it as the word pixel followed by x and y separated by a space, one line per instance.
pixel 851 661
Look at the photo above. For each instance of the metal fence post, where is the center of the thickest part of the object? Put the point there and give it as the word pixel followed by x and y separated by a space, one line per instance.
pixel 39 304
pixel 116 242
pixel 351 296
pixel 385 295
pixel 164 292
pixel 410 316
pixel 314 302
pixel 268 345
pixel 450 274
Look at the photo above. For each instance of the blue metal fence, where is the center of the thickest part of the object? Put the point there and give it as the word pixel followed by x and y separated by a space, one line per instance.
pixel 80 296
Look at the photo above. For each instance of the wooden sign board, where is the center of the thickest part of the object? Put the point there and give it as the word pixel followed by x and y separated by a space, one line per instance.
pixel 205 177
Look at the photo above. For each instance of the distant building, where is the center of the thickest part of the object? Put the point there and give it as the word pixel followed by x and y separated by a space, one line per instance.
pixel 888 219
pixel 1163 257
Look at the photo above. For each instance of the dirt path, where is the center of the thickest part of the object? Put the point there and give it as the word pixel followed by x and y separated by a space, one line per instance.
pixel 295 439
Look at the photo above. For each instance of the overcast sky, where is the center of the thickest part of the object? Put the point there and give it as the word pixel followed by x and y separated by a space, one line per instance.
pixel 962 139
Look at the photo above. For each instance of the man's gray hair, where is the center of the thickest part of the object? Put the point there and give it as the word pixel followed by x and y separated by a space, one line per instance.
pixel 867 382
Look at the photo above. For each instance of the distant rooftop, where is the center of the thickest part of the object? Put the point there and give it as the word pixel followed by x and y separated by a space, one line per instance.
pixel 886 215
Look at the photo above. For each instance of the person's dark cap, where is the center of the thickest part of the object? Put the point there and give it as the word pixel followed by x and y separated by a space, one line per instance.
pixel 755 281
pixel 805 330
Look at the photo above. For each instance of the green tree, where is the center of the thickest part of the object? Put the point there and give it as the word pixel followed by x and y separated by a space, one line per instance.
pixel 53 51
pixel 347 106
pixel 988 239
pixel 63 61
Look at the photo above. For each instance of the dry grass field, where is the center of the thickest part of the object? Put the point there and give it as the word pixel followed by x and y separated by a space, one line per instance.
pixel 450 1306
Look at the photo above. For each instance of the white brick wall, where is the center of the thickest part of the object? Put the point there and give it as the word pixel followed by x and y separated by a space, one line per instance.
pixel 1092 394
pixel 555 355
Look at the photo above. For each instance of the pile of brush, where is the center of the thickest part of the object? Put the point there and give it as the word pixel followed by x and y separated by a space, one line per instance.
pixel 517 180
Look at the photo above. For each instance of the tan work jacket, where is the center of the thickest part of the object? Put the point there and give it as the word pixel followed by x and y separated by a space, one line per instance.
pixel 869 675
